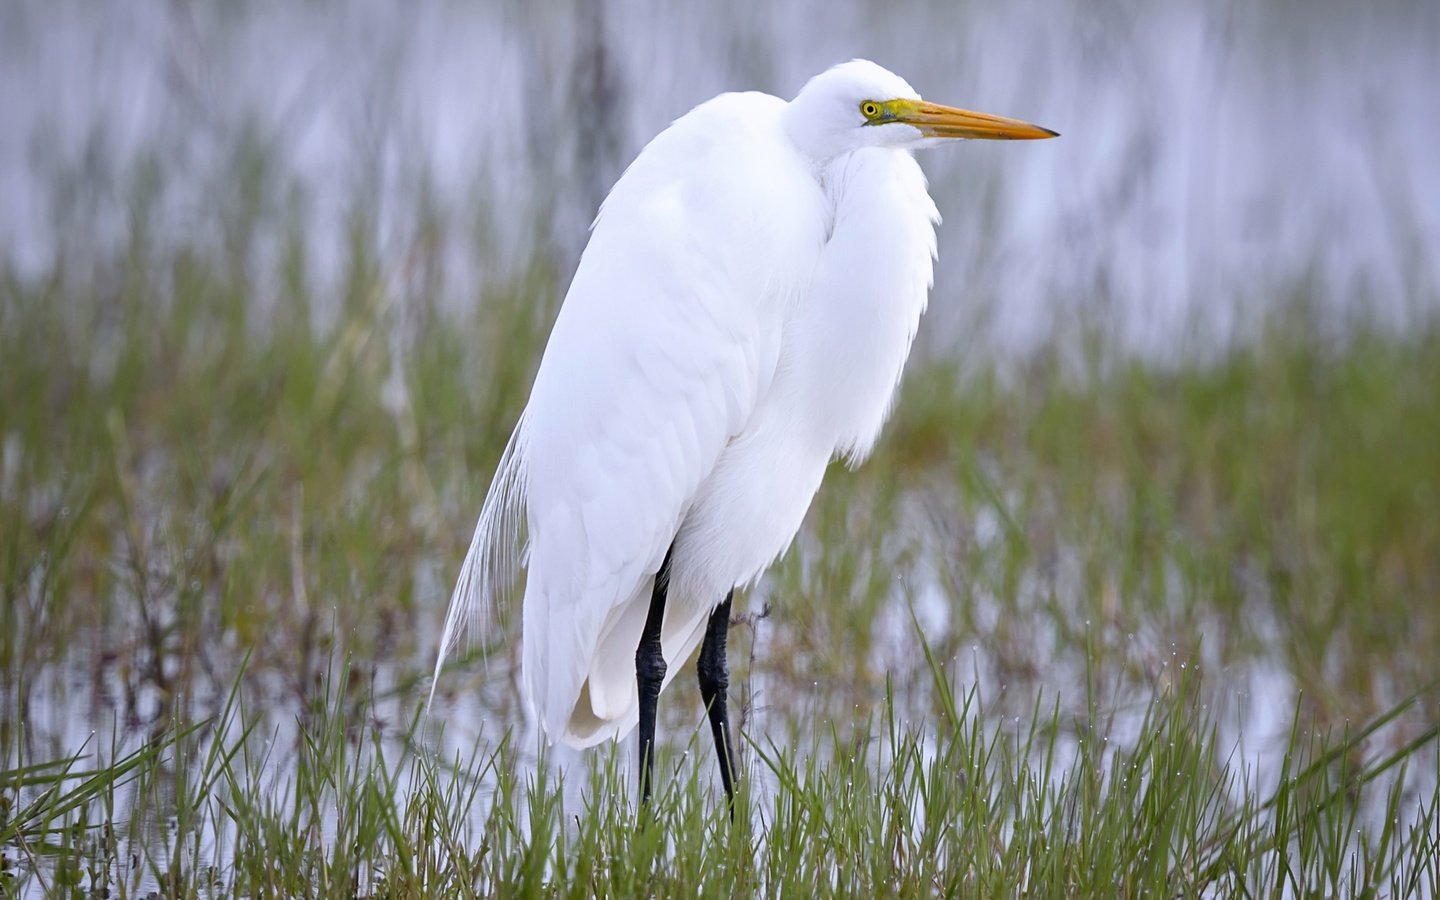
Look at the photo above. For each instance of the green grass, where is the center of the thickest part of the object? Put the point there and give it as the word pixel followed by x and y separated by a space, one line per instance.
pixel 1076 630
pixel 954 807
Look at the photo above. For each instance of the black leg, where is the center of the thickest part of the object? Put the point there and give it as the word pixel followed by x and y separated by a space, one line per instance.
pixel 650 674
pixel 714 674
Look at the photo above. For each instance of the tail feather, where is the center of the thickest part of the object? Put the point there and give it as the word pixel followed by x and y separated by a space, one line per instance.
pixel 492 564
pixel 608 703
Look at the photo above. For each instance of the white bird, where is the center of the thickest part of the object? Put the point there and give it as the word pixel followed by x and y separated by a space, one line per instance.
pixel 739 318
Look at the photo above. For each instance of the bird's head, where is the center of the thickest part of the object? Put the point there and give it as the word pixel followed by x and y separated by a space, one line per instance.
pixel 860 104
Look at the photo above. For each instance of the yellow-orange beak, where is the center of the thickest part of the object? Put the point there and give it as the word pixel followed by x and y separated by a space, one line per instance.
pixel 936 120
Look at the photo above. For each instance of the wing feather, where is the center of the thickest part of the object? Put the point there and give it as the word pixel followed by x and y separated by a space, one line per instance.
pixel 667 339
pixel 600 528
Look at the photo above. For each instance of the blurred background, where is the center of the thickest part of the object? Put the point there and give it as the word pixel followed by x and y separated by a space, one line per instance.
pixel 274 278
pixel 1213 154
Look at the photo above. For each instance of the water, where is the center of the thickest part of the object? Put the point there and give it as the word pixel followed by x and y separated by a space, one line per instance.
pixel 1213 156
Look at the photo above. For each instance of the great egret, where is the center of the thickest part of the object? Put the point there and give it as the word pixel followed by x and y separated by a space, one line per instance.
pixel 740 317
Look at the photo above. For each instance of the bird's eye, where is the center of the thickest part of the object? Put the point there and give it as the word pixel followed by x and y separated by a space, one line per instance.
pixel 870 110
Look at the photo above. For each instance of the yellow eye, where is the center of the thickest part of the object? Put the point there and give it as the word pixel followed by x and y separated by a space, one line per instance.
pixel 870 110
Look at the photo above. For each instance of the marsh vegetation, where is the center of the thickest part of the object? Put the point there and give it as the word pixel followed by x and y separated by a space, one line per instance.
pixel 1114 607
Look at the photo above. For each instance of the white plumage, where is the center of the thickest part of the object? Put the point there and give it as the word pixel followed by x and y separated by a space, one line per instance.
pixel 740 317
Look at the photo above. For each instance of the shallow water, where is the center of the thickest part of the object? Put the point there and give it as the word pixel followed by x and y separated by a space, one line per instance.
pixel 1214 156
